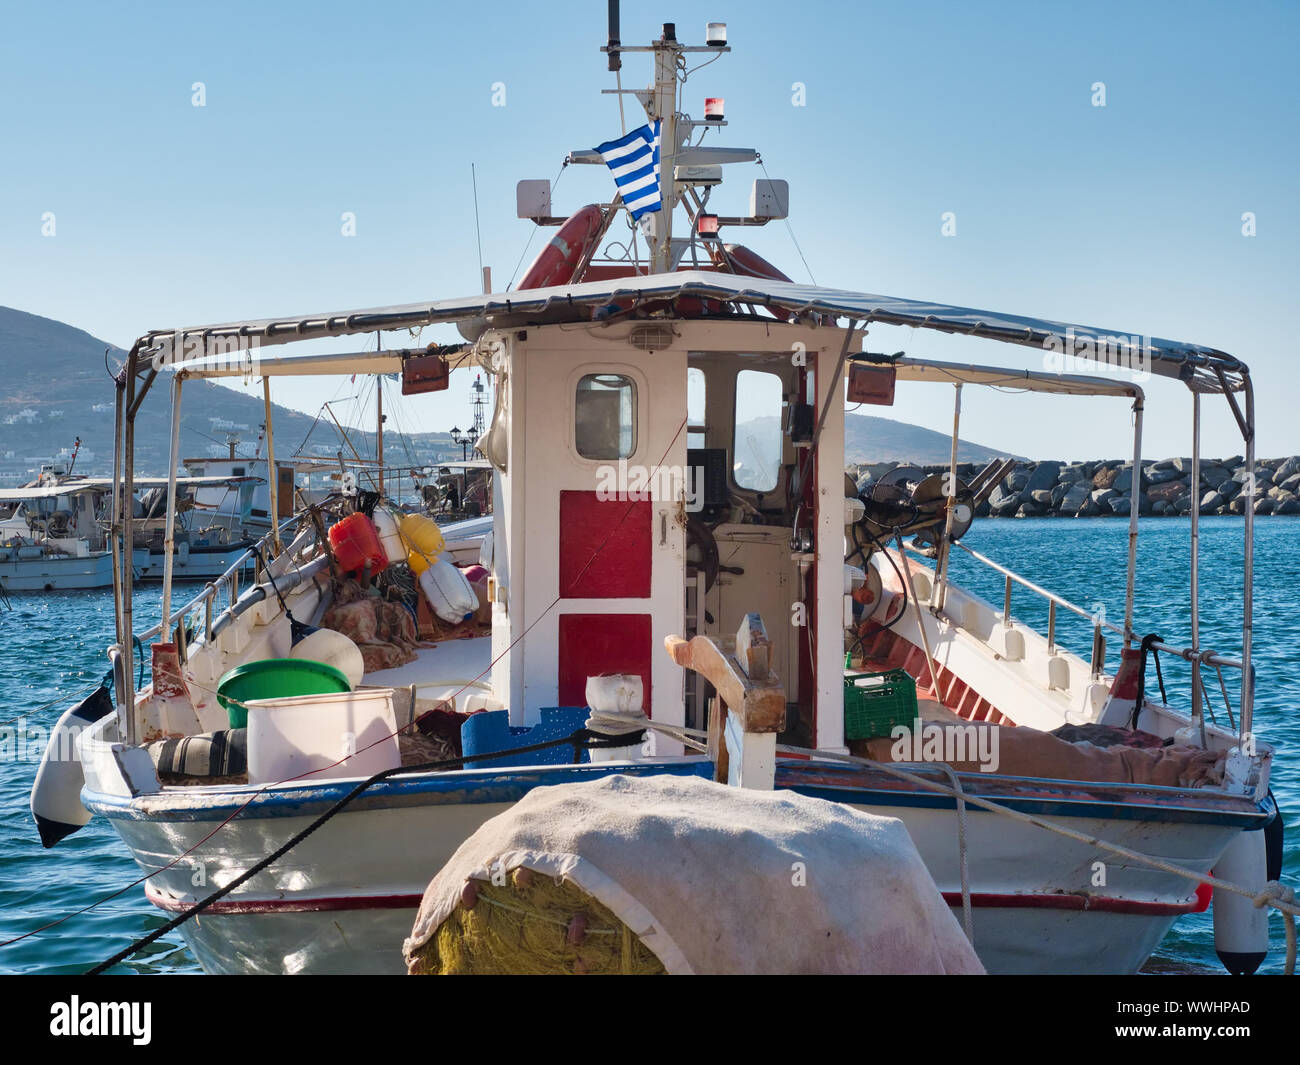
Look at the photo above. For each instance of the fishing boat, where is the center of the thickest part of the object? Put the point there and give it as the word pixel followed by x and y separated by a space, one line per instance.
pixel 51 540
pixel 686 582
pixel 55 535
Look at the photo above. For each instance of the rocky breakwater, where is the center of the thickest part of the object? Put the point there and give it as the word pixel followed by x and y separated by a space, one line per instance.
pixel 1108 488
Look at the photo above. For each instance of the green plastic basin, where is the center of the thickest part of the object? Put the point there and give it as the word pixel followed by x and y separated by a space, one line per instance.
pixel 276 678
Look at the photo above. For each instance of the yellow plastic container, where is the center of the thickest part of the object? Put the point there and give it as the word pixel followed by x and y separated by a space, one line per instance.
pixel 423 541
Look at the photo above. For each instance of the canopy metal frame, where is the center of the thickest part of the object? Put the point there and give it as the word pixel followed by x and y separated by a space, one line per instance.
pixel 235 348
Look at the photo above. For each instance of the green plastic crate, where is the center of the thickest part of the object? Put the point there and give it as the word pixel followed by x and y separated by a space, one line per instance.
pixel 874 709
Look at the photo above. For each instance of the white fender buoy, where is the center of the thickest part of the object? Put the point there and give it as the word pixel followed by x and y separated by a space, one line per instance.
pixel 1240 927
pixel 450 595
pixel 56 792
pixel 389 535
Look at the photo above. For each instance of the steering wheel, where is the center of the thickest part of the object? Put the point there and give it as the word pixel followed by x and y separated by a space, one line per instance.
pixel 700 537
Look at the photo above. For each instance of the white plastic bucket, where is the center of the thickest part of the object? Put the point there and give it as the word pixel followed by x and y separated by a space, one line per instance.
pixel 309 733
pixel 450 594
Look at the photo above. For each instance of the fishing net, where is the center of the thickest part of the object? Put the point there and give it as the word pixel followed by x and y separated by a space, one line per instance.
pixel 532 925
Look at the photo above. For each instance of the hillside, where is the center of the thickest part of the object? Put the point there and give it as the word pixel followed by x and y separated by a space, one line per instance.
pixel 57 388
pixel 868 438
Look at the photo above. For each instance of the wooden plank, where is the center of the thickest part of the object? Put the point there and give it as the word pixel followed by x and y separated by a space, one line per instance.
pixel 718 740
pixel 759 706
pixel 753 648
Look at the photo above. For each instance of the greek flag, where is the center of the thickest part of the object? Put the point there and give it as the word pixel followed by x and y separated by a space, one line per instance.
pixel 634 161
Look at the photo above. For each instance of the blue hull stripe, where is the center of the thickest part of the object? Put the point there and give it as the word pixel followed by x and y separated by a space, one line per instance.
pixel 469 787
pixel 1036 806
pixel 463 787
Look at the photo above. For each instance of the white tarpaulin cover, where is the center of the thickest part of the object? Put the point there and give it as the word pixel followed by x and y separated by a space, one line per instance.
pixel 716 879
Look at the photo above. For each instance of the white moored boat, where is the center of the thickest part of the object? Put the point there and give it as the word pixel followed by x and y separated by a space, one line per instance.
pixel 641 527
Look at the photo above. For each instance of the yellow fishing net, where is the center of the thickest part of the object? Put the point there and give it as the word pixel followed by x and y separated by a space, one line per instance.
pixel 533 925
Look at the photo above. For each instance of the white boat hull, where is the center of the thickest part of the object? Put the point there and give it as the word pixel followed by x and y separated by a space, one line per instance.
pixel 57 573
pixel 344 898
pixel 198 564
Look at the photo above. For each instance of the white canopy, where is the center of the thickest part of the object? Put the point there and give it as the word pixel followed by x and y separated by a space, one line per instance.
pixel 105 484
pixel 179 347
pixel 909 369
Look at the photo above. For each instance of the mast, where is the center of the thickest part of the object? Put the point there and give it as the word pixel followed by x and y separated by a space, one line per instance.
pixel 169 530
pixel 660 102
pixel 663 106
pixel 379 415
pixel 273 474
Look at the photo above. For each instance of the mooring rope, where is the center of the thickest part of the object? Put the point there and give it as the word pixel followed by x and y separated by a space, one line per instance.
pixel 963 864
pixel 580 740
pixel 1273 893
pixel 59 700
pixel 451 696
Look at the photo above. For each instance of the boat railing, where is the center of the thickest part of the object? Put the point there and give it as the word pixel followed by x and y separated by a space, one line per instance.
pixel 236 601
pixel 1197 656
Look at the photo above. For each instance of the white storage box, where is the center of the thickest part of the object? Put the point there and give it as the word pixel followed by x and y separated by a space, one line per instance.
pixel 309 733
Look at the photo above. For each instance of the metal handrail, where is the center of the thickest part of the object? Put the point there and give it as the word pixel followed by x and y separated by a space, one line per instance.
pixel 1051 597
pixel 1207 656
pixel 230 577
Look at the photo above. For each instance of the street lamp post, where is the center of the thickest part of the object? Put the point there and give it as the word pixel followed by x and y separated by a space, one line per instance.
pixel 464 439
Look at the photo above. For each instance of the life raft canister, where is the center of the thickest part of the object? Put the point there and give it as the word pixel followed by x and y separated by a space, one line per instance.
pixel 749 263
pixel 557 262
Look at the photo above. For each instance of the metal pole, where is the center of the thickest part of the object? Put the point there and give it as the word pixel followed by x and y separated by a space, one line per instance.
pixel 379 433
pixel 665 109
pixel 115 532
pixel 941 585
pixel 1135 495
pixel 169 532
pixel 920 617
pixel 1197 715
pixel 127 627
pixel 1248 570
pixel 379 414
pixel 272 472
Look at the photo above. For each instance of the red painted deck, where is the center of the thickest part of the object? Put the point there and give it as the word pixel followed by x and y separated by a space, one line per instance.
pixel 885 649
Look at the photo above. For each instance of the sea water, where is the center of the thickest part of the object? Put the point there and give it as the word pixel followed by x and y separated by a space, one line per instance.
pixel 54 644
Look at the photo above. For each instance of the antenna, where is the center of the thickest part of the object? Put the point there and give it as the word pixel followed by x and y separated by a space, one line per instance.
pixel 480 407
pixel 615 58
pixel 483 274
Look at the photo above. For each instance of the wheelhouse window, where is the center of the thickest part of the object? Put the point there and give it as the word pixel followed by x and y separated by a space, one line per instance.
pixel 696 426
pixel 605 416
pixel 757 443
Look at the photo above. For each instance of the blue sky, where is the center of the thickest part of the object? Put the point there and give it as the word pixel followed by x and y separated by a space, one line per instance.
pixel 1126 216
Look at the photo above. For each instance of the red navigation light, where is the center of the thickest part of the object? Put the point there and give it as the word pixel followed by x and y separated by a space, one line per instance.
pixel 713 108
pixel 706 225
